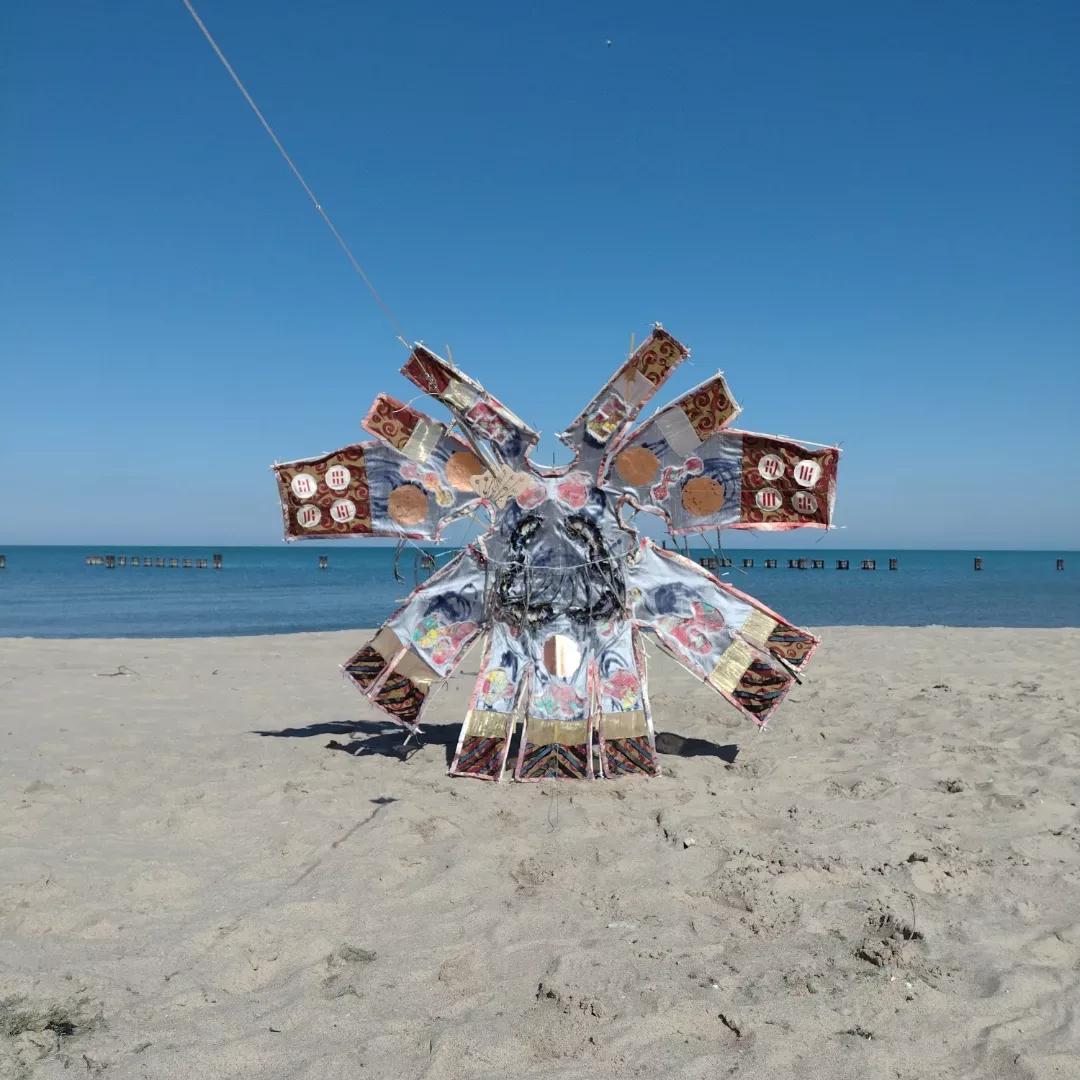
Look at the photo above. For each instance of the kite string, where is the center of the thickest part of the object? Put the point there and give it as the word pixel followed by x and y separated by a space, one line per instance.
pixel 296 172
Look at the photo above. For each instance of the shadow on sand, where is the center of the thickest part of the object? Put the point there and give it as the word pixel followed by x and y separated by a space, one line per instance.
pixel 365 737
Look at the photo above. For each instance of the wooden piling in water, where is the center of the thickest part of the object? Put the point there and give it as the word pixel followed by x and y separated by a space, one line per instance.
pixel 842 564
pixel 174 564
pixel 110 561
pixel 217 560
pixel 3 562
pixel 869 564
pixel 893 564
pixel 748 564
pixel 187 564
pixel 200 564
pixel 159 561
pixel 801 564
pixel 770 564
pixel 1060 563
pixel 978 562
pixel 324 562
pixel 709 562
pixel 817 564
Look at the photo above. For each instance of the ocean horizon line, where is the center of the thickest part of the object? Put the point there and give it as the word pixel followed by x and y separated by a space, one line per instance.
pixel 382 543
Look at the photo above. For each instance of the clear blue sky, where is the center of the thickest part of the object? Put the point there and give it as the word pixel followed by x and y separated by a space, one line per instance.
pixel 866 214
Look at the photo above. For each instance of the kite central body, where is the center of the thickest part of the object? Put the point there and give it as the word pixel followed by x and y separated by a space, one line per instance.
pixel 560 588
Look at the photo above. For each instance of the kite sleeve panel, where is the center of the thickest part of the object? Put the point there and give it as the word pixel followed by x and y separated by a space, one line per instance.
pixel 623 397
pixel 741 648
pixel 697 480
pixel 485 417
pixel 423 641
pixel 370 489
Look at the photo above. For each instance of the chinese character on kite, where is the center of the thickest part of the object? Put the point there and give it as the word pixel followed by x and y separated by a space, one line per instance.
pixel 560 588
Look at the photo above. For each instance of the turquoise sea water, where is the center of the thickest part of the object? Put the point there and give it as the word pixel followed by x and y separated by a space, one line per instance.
pixel 51 592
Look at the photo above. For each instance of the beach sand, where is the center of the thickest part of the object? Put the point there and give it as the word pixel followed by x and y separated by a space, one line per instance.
pixel 218 866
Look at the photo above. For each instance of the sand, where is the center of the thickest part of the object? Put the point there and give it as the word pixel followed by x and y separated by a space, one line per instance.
pixel 219 866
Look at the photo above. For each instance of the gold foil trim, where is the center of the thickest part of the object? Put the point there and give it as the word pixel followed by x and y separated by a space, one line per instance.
pixel 677 431
pixel 423 440
pixel 636 388
pixel 415 669
pixel 758 626
pixel 460 395
pixel 386 644
pixel 730 667
pixel 481 724
pixel 624 725
pixel 564 732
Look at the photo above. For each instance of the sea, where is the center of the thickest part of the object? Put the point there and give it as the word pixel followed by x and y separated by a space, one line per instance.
pixel 51 592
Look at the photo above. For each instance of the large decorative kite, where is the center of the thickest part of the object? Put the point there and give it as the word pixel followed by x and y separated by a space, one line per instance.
pixel 560 587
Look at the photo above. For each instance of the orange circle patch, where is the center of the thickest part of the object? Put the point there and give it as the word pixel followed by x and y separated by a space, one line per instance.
pixel 637 465
pixel 407 505
pixel 702 496
pixel 461 468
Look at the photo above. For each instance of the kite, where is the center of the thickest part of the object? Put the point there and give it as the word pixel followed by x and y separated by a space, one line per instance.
pixel 560 588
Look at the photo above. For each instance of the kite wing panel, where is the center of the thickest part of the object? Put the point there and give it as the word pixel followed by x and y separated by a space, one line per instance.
pixel 728 480
pixel 624 395
pixel 423 641
pixel 369 489
pixel 742 649
pixel 482 413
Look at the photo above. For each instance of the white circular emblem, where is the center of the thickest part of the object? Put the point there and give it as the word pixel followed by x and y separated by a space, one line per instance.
pixel 804 502
pixel 343 510
pixel 309 516
pixel 771 467
pixel 304 485
pixel 807 473
pixel 338 477
pixel 768 499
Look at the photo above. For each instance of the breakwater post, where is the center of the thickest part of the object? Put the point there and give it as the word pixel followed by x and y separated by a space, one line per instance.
pixel 869 564
pixel 1060 564
pixel 978 562
pixel 893 564
pixel 748 564
pixel 842 564
pixel 770 564
pixel 217 560
pixel 324 562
